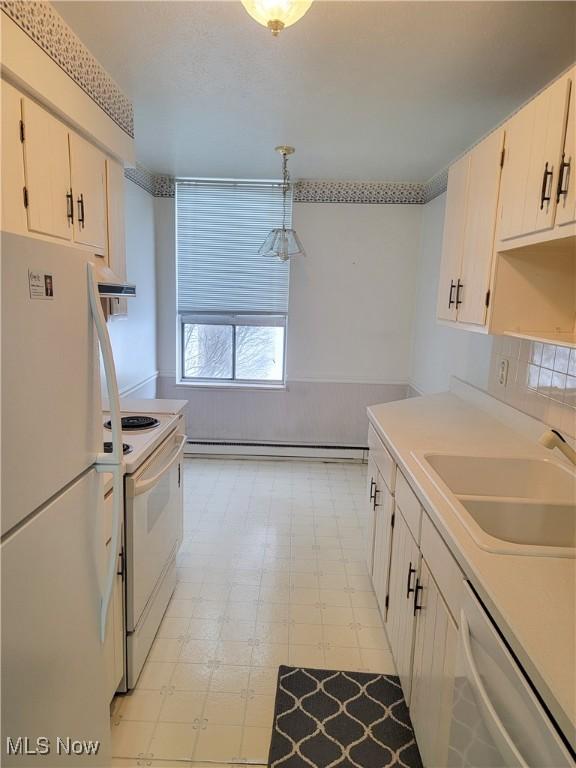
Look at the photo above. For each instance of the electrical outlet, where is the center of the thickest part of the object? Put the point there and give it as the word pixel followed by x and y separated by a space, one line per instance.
pixel 503 373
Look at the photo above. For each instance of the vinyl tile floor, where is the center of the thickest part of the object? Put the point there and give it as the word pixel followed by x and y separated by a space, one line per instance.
pixel 271 571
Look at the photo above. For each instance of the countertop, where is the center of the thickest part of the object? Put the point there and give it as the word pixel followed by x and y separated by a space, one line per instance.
pixel 532 599
pixel 151 405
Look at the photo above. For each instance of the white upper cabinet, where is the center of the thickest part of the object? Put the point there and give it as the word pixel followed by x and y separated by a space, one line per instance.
pixel 11 161
pixel 468 247
pixel 481 206
pixel 58 186
pixel 510 226
pixel 534 144
pixel 47 173
pixel 452 247
pixel 88 174
pixel 566 187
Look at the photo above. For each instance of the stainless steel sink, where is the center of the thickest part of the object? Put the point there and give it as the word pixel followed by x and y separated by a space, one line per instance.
pixel 509 505
pixel 504 477
pixel 536 524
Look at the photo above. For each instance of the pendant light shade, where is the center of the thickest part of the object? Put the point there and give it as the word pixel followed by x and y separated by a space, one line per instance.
pixel 276 14
pixel 283 242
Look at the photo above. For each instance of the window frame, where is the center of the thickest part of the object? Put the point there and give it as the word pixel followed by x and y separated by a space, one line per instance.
pixel 235 320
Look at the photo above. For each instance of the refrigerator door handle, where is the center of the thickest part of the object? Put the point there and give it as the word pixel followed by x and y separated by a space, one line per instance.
pixel 109 372
pixel 109 462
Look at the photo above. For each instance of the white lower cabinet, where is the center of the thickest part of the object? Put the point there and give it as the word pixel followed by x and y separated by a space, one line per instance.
pixel 433 672
pixel 371 480
pixel 383 526
pixel 403 593
pixel 469 702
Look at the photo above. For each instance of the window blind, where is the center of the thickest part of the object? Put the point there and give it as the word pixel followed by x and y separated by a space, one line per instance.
pixel 220 226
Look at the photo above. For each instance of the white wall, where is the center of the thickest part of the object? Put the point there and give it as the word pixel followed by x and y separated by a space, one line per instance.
pixel 439 352
pixel 349 333
pixel 351 299
pixel 165 238
pixel 133 336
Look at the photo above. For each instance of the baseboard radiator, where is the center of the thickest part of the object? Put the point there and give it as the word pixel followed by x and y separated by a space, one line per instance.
pixel 241 449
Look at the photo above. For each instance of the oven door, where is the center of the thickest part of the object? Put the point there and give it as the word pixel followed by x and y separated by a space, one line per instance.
pixel 153 523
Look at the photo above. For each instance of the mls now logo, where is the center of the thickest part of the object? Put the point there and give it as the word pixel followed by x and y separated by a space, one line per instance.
pixel 23 745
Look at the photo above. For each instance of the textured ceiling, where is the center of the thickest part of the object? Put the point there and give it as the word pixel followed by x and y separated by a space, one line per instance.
pixel 364 90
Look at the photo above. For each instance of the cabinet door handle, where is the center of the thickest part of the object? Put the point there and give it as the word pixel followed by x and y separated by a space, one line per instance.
pixel 545 198
pixel 561 189
pixel 418 588
pixel 81 210
pixel 70 207
pixel 376 490
pixel 459 287
pixel 409 588
pixel 372 488
pixel 451 296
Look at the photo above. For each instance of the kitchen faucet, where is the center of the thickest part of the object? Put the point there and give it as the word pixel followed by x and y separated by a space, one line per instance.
pixel 553 439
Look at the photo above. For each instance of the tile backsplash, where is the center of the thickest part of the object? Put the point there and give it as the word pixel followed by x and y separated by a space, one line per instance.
pixel 541 380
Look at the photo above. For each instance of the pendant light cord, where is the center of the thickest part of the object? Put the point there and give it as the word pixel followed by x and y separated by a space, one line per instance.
pixel 286 178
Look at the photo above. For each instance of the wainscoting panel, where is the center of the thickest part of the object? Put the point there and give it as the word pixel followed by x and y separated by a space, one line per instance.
pixel 305 413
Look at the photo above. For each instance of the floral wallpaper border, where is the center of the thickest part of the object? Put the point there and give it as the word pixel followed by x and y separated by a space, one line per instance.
pixel 44 25
pixel 435 186
pixel 368 192
pixel 306 191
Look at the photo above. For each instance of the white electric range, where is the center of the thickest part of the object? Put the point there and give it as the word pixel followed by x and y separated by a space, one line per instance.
pixel 153 505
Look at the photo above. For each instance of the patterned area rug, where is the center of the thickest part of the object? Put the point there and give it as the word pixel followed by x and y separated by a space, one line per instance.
pixel 327 719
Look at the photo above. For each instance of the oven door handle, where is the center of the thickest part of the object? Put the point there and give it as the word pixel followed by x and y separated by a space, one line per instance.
pixel 143 486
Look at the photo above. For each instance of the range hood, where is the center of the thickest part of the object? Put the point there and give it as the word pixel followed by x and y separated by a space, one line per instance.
pixel 110 286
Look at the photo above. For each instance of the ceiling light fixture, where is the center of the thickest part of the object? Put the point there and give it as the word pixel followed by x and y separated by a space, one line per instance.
pixel 276 14
pixel 281 242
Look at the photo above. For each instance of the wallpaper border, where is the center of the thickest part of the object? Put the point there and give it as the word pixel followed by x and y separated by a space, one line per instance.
pixel 320 191
pixel 44 25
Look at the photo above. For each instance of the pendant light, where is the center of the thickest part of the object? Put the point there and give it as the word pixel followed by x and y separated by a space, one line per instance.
pixel 276 14
pixel 281 242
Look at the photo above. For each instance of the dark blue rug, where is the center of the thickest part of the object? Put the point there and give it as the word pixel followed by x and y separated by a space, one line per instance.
pixel 330 719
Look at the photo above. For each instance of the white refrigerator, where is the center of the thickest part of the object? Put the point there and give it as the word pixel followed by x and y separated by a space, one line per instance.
pixel 56 582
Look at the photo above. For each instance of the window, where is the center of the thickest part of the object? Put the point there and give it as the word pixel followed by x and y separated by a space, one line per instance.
pixel 232 302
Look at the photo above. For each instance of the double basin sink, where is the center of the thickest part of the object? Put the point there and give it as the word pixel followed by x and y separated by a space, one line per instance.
pixel 509 505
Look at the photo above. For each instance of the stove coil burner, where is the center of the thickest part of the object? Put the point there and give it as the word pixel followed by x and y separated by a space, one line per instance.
pixel 125 448
pixel 134 423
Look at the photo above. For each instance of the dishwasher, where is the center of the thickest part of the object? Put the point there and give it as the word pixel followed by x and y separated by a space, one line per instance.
pixel 497 720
